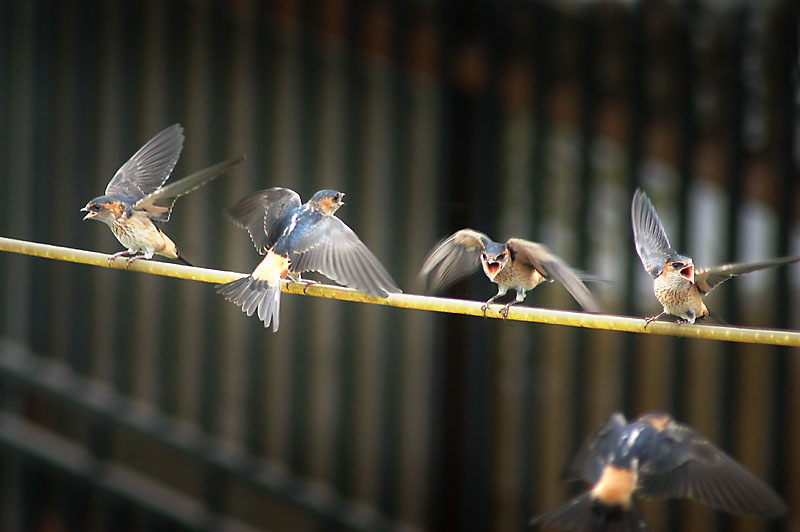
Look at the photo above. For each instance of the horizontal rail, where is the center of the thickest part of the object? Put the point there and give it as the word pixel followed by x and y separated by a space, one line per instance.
pixel 36 442
pixel 23 368
pixel 436 304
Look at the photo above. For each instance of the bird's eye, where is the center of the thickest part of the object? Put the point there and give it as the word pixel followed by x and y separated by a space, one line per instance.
pixel 337 197
pixel 483 256
pixel 501 256
pixel 94 207
pixel 678 265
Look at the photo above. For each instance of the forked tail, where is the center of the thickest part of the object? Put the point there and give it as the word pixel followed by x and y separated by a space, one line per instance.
pixel 253 295
pixel 585 514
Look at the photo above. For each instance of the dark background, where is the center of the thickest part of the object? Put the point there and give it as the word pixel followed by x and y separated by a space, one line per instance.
pixel 131 402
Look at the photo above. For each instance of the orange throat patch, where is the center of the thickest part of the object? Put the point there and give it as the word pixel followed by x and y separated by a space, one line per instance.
pixel 272 269
pixel 658 421
pixel 615 486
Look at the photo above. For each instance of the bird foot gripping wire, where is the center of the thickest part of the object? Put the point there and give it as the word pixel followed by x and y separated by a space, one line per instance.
pixel 130 257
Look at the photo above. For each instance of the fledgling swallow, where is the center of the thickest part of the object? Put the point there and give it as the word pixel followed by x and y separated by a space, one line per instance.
pixel 654 457
pixel 136 197
pixel 299 238
pixel 517 264
pixel 677 284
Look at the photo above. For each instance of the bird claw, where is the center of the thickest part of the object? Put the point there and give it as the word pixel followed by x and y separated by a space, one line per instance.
pixel 648 321
pixel 131 260
pixel 504 311
pixel 484 308
pixel 307 284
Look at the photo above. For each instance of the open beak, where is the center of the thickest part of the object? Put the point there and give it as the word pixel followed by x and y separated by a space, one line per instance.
pixel 89 214
pixel 688 273
pixel 492 267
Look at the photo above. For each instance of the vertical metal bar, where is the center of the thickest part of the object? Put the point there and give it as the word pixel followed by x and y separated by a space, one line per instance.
pixel 300 408
pixel 687 141
pixel 127 64
pixel 784 457
pixel 540 60
pixel 448 444
pixel 43 62
pixel 587 79
pixel 218 37
pixel 636 110
pixel 256 426
pixel 442 447
pixel 734 95
pixel 176 64
pixel 353 92
pixel 86 96
pixel 390 438
pixel 18 162
pixel 484 143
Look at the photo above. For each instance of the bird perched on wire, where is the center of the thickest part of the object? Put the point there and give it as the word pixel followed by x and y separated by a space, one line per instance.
pixel 297 238
pixel 136 198
pixel 678 285
pixel 654 457
pixel 517 264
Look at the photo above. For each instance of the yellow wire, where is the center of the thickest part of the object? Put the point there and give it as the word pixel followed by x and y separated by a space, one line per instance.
pixel 417 302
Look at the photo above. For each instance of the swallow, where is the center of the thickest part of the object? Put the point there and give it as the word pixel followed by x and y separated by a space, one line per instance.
pixel 654 457
pixel 517 264
pixel 296 238
pixel 678 285
pixel 136 199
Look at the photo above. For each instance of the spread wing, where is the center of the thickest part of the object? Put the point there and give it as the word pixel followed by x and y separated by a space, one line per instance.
pixel 651 241
pixel 149 167
pixel 688 465
pixel 707 279
pixel 593 454
pixel 553 267
pixel 331 248
pixel 260 212
pixel 454 258
pixel 158 204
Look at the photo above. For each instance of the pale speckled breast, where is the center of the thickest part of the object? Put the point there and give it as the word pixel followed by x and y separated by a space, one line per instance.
pixel 139 233
pixel 519 274
pixel 678 296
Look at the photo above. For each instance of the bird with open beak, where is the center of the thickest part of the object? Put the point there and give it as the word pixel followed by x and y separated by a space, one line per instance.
pixel 136 199
pixel 678 285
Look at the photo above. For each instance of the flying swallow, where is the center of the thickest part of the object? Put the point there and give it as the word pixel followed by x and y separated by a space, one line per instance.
pixel 298 238
pixel 655 457
pixel 517 264
pixel 678 285
pixel 136 197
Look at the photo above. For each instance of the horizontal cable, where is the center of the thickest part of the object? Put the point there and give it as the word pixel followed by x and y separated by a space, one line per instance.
pixel 417 302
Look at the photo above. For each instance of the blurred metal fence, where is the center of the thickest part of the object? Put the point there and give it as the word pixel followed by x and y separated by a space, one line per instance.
pixel 136 403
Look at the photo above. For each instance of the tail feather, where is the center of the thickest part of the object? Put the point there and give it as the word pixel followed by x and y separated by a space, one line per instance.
pixel 182 258
pixel 253 295
pixel 585 514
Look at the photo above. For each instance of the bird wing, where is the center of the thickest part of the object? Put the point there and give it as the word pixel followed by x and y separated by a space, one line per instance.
pixel 649 236
pixel 707 279
pixel 593 454
pixel 149 167
pixel 553 267
pixel 453 258
pixel 331 248
pixel 158 204
pixel 687 465
pixel 260 212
